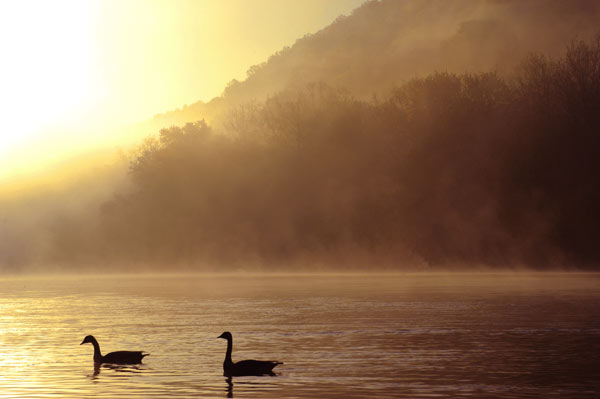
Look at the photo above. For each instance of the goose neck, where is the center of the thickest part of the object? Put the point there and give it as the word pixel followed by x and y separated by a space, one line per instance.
pixel 229 350
pixel 97 353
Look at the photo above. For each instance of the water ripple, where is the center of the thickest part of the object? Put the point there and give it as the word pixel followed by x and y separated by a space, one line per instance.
pixel 367 337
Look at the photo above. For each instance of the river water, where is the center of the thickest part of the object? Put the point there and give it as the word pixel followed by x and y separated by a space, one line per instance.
pixel 355 336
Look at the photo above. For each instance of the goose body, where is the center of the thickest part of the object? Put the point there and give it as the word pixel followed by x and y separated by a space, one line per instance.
pixel 244 367
pixel 119 357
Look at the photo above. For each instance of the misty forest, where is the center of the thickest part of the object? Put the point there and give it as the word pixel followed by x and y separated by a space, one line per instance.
pixel 354 163
pixel 336 199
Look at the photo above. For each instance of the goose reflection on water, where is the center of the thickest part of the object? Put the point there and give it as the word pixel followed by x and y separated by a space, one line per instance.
pixel 229 387
pixel 246 368
pixel 119 368
pixel 247 384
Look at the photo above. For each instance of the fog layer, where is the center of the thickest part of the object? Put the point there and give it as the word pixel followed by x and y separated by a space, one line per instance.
pixel 449 169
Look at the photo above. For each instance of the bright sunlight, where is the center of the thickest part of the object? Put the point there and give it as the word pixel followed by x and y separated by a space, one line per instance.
pixel 76 75
pixel 45 74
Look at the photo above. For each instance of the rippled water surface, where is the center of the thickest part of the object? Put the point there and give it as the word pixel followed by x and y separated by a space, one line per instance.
pixel 370 336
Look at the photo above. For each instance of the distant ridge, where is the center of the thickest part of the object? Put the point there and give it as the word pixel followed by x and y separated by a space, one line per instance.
pixel 384 43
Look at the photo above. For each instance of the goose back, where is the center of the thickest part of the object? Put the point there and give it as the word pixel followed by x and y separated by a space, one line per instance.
pixel 124 357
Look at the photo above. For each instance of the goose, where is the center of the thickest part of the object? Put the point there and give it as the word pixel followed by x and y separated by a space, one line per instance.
pixel 120 357
pixel 244 367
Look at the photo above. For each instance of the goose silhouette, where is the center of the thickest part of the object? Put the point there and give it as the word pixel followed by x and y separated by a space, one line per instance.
pixel 244 367
pixel 119 357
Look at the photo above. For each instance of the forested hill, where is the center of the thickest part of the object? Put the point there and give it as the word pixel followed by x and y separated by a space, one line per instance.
pixel 496 167
pixel 448 171
pixel 383 44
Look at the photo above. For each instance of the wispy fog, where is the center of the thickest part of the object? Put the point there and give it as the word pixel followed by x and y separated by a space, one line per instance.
pixel 417 134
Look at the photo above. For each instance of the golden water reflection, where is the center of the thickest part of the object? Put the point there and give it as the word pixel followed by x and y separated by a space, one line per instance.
pixel 404 336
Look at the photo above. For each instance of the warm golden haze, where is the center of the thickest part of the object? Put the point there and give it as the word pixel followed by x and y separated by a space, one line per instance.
pixel 347 150
pixel 381 198
pixel 73 73
pixel 47 76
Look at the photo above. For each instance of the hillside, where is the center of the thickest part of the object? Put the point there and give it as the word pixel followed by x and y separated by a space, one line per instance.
pixel 490 161
pixel 382 44
pixel 450 170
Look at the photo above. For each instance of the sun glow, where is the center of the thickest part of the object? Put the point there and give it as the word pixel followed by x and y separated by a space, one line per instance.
pixel 76 75
pixel 46 72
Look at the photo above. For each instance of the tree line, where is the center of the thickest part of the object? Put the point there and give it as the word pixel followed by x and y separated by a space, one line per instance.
pixel 448 169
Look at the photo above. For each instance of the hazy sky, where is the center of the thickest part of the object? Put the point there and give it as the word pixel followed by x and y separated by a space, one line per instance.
pixel 72 70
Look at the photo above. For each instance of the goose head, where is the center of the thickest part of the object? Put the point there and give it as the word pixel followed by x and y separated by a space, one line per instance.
pixel 226 335
pixel 89 339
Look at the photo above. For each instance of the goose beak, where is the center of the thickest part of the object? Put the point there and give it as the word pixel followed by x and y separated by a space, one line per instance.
pixel 82 342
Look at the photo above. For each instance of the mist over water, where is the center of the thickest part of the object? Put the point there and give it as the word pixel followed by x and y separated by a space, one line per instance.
pixel 375 336
pixel 456 138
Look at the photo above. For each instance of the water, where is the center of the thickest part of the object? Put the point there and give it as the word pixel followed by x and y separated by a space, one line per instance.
pixel 398 336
